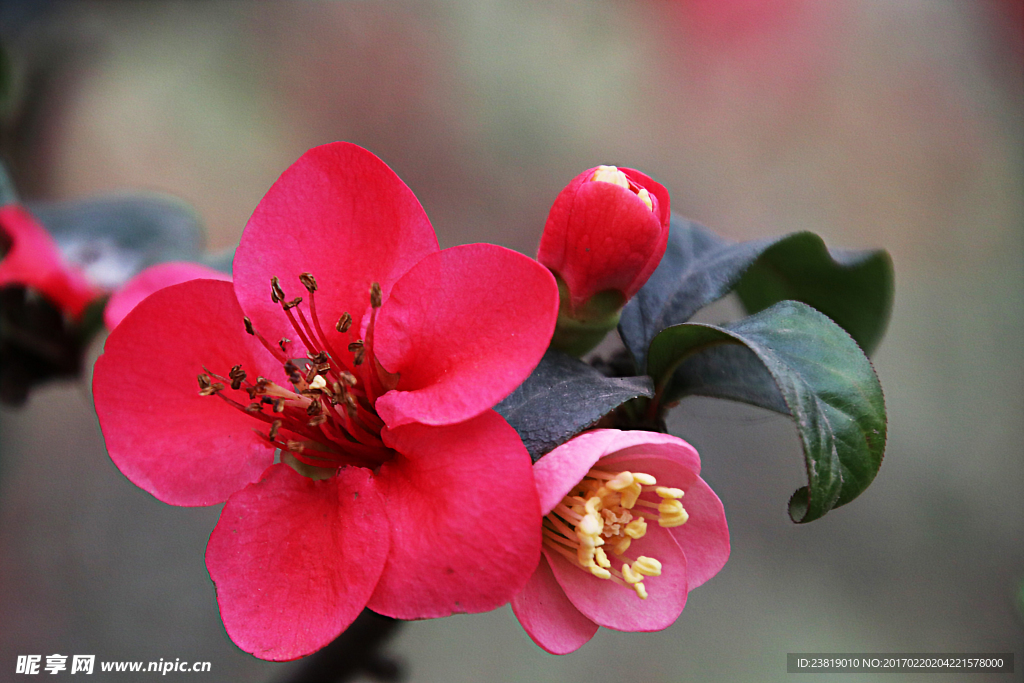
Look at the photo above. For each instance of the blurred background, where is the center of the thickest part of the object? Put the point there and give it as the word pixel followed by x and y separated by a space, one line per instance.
pixel 873 123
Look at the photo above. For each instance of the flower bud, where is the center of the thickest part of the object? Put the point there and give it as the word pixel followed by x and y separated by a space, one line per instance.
pixel 605 235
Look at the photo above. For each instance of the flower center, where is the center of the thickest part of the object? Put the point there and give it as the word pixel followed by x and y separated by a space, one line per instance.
pixel 611 174
pixel 326 420
pixel 606 510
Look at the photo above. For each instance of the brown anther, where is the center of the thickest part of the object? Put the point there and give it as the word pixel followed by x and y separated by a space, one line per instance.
pixel 350 405
pixel 278 405
pixel 355 346
pixel 274 426
pixel 358 359
pixel 323 368
pixel 261 385
pixel 317 421
pixel 376 296
pixel 290 367
pixel 237 376
pixel 283 342
pixel 212 389
pixel 318 358
pixel 348 378
pixel 204 381
pixel 293 303
pixel 310 373
pixel 308 281
pixel 276 292
pixel 253 408
pixel 295 446
pixel 248 326
pixel 314 408
pixel 344 322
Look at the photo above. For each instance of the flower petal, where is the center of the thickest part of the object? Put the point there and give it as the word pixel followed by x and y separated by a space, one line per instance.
pixel 184 448
pixel 561 469
pixel 149 281
pixel 341 214
pixel 34 260
pixel 465 523
pixel 463 329
pixel 548 617
pixel 705 536
pixel 613 606
pixel 295 560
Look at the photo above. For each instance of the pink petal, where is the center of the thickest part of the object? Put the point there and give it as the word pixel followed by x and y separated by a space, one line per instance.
pixel 463 329
pixel 613 606
pixel 561 469
pixel 149 281
pixel 465 523
pixel 295 560
pixel 341 214
pixel 547 615
pixel 184 448
pixel 33 260
pixel 705 536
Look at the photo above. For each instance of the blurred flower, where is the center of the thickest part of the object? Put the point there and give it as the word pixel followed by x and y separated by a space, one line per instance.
pixel 30 258
pixel 605 235
pixel 376 386
pixel 620 549
pixel 150 280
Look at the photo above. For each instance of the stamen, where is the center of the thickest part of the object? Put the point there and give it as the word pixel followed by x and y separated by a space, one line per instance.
pixel 344 322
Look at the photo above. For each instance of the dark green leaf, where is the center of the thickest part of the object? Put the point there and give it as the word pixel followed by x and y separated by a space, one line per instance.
pixel 700 267
pixel 825 381
pixel 114 237
pixel 563 397
pixel 8 195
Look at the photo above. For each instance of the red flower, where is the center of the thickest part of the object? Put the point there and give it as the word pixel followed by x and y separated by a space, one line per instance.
pixel 150 280
pixel 33 260
pixel 376 384
pixel 620 549
pixel 606 232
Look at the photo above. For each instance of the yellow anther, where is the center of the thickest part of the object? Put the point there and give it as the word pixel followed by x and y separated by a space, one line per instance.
pixel 648 566
pixel 645 197
pixel 591 524
pixel 674 520
pixel 670 507
pixel 621 481
pixel 622 546
pixel 593 506
pixel 610 174
pixel 601 572
pixel 666 492
pixel 637 528
pixel 585 556
pixel 630 495
pixel 318 382
pixel 629 575
pixel 645 479
pixel 640 590
pixel 601 558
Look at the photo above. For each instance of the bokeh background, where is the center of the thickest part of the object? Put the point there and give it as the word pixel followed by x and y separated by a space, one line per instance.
pixel 871 122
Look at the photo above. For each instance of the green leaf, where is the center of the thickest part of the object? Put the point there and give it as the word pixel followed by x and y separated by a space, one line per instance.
pixel 114 237
pixel 8 195
pixel 853 287
pixel 563 397
pixel 824 380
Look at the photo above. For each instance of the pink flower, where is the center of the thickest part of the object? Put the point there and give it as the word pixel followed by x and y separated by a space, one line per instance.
pixel 606 232
pixel 376 385
pixel 630 529
pixel 150 280
pixel 33 260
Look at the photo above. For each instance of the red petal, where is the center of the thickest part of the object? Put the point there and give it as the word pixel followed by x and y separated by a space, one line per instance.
pixel 341 214
pixel 294 560
pixel 613 606
pixel 705 536
pixel 561 469
pixel 465 523
pixel 184 448
pixel 149 281
pixel 34 260
pixel 463 329
pixel 548 617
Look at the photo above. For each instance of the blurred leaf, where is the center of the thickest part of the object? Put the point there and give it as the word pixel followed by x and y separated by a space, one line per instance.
pixel 563 397
pixel 220 260
pixel 700 267
pixel 825 381
pixel 114 237
pixel 8 195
